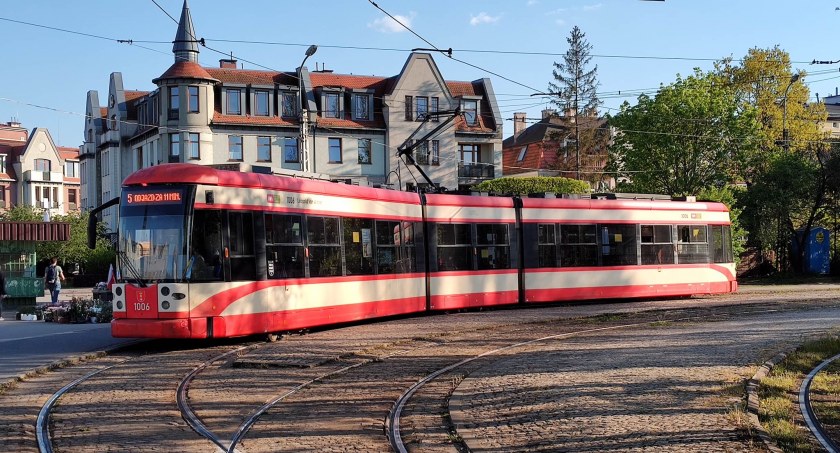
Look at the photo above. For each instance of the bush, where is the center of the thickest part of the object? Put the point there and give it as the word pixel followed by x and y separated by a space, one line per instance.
pixel 537 184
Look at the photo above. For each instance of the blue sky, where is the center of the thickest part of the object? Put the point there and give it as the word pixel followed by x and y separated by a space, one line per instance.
pixel 636 44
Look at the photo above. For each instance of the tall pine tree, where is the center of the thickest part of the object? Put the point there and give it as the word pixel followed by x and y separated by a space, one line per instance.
pixel 575 94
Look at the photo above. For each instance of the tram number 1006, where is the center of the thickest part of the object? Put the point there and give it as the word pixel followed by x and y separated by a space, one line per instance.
pixel 139 306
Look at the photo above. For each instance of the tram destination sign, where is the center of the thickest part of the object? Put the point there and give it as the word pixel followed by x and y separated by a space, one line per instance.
pixel 160 196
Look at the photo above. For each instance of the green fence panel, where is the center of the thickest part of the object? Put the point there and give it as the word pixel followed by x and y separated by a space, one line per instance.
pixel 24 287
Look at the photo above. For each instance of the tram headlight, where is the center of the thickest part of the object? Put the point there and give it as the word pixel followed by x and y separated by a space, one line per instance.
pixel 164 291
pixel 118 291
pixel 165 305
pixel 119 304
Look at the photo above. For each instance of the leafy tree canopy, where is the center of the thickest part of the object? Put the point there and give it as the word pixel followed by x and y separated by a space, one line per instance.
pixel 683 139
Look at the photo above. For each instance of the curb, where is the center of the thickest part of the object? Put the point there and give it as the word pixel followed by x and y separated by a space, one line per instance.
pixel 753 402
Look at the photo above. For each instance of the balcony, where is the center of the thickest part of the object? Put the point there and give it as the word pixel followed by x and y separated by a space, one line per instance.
pixel 478 170
pixel 43 176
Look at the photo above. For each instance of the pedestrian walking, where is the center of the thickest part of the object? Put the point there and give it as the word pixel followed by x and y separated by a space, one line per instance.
pixel 53 277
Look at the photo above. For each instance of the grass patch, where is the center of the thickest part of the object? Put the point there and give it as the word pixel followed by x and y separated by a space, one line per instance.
pixel 778 394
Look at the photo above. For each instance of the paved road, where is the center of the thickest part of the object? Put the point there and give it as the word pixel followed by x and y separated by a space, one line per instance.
pixel 26 346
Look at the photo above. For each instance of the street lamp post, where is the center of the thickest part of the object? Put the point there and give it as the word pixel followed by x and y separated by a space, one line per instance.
pixel 304 114
pixel 785 143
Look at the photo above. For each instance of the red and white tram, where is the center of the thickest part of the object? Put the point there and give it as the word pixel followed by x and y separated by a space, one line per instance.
pixel 206 253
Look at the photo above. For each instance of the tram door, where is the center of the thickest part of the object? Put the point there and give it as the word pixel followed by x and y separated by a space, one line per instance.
pixel 239 258
pixel 207 251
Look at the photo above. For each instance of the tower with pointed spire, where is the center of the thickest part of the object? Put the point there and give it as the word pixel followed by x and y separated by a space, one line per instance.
pixel 185 46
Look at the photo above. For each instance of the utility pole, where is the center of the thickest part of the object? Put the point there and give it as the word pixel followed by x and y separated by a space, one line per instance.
pixel 304 115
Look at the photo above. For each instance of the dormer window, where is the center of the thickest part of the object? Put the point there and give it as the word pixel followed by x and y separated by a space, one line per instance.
pixel 470 109
pixel 233 105
pixel 289 105
pixel 361 107
pixel 332 105
pixel 522 154
pixel 261 103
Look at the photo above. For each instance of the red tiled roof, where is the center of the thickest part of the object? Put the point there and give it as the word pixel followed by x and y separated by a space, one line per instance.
pixel 253 77
pixel 321 79
pixel 68 153
pixel 347 123
pixel 461 88
pixel 218 118
pixel 539 156
pixel 185 70
pixel 131 95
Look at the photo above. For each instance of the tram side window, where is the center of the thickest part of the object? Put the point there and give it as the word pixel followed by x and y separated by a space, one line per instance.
pixel 722 243
pixel 546 245
pixel 454 247
pixel 241 229
pixel 324 246
pixel 692 244
pixel 206 246
pixel 284 246
pixel 358 246
pixel 657 245
pixel 394 247
pixel 618 245
pixel 578 246
pixel 493 246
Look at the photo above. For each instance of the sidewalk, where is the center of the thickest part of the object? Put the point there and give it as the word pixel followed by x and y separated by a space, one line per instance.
pixel 9 313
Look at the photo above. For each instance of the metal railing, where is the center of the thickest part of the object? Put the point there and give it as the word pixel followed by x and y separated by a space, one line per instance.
pixel 476 170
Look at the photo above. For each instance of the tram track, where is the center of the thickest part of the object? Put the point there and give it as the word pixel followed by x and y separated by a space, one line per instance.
pixel 442 355
pixel 807 409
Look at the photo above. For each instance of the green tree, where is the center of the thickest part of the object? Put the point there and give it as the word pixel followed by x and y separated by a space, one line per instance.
pixel 683 139
pixel 536 184
pixel 75 250
pixel 765 81
pixel 575 92
pixel 21 213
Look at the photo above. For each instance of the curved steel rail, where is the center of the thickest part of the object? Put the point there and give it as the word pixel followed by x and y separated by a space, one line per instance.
pixel 42 423
pixel 808 412
pixel 392 422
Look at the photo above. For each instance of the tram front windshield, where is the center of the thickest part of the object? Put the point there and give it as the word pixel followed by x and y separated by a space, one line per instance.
pixel 152 238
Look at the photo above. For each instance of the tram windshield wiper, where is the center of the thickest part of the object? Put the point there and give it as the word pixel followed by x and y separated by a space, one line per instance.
pixel 129 266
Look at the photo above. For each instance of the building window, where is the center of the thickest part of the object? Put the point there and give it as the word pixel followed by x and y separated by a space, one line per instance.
pixel 71 169
pixel 435 152
pixel 422 107
pixel 435 108
pixel 361 107
pixel 193 104
pixel 332 107
pixel 174 103
pixel 174 147
pixel 42 165
pixel 335 150
pixel 235 147
pixel 106 164
pixel 193 147
pixel 522 152
pixel 290 151
pixel 469 153
pixel 409 108
pixel 365 156
pixel 421 153
pixel 264 149
pixel 261 103
pixel 289 105
pixel 3 163
pixel 233 105
pixel 471 112
pixel 71 199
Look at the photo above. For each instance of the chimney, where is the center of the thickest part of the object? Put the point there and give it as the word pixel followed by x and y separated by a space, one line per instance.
pixel 518 123
pixel 548 112
pixel 227 63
